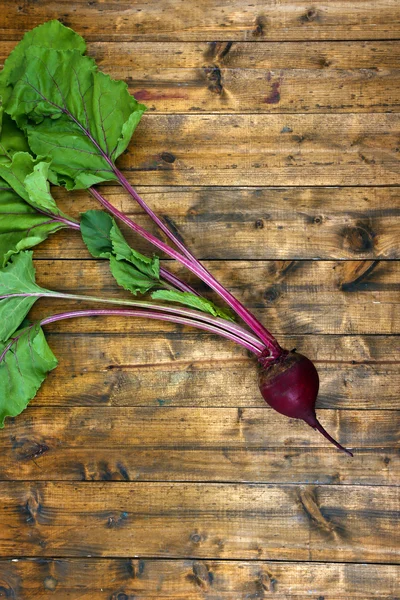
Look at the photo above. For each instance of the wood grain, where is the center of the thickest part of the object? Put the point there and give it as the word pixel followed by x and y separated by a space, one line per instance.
pixel 148 466
pixel 245 77
pixel 192 444
pixel 209 19
pixel 146 579
pixel 254 223
pixel 317 56
pixel 112 378
pixel 289 296
pixel 236 521
pixel 137 368
pixel 347 149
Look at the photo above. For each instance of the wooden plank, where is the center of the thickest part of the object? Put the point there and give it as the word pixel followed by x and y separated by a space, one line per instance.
pixel 209 19
pixel 317 56
pixel 146 579
pixel 255 223
pixel 138 368
pixel 236 521
pixel 331 149
pixel 214 89
pixel 197 444
pixel 145 56
pixel 247 77
pixel 358 297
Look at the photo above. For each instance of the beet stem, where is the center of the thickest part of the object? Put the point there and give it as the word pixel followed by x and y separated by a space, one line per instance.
pixel 224 325
pixel 315 424
pixel 176 282
pixel 187 258
pixel 195 267
pixel 164 228
pixel 148 314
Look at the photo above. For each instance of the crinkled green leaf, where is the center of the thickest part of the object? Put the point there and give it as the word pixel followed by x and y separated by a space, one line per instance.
pixel 130 278
pixel 22 172
pixel 189 299
pixel 122 251
pixel 104 239
pixel 73 113
pixel 23 189
pixel 12 139
pixel 16 241
pixel 131 269
pixel 16 170
pixel 18 277
pixel 96 226
pixel 21 226
pixel 23 369
pixel 38 190
pixel 50 35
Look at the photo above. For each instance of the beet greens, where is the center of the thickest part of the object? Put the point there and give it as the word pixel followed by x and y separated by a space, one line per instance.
pixel 65 122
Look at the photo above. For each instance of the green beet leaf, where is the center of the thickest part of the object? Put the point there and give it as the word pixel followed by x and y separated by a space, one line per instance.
pixel 103 239
pixel 18 277
pixel 17 169
pixel 74 114
pixel 12 139
pixel 131 269
pixel 21 226
pixel 49 35
pixel 24 190
pixel 130 278
pixel 188 299
pixel 38 190
pixel 122 251
pixel 96 228
pixel 28 213
pixel 134 271
pixel 23 369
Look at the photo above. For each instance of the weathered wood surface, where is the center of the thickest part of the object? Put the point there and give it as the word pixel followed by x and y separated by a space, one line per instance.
pixel 167 368
pixel 150 444
pixel 246 77
pixel 146 579
pixel 254 223
pixel 209 19
pixel 323 297
pixel 176 520
pixel 329 149
pixel 184 444
pixel 265 150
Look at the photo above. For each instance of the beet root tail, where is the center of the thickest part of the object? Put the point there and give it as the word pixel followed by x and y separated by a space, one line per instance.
pixel 315 424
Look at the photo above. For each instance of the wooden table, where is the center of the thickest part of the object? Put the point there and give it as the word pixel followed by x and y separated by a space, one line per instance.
pixel 148 466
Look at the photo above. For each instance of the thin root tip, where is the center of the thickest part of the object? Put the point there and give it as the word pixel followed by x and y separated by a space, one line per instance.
pixel 317 425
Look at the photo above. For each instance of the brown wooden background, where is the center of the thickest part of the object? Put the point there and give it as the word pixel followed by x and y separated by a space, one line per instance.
pixel 148 467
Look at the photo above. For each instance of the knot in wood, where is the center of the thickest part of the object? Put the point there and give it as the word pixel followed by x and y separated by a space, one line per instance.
pixel 359 238
pixel 311 15
pixel 168 157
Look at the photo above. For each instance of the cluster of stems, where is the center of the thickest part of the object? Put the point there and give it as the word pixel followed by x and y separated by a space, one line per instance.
pixel 258 340
pixel 271 349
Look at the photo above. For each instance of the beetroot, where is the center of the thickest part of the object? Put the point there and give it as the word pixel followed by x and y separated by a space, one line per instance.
pixel 289 384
